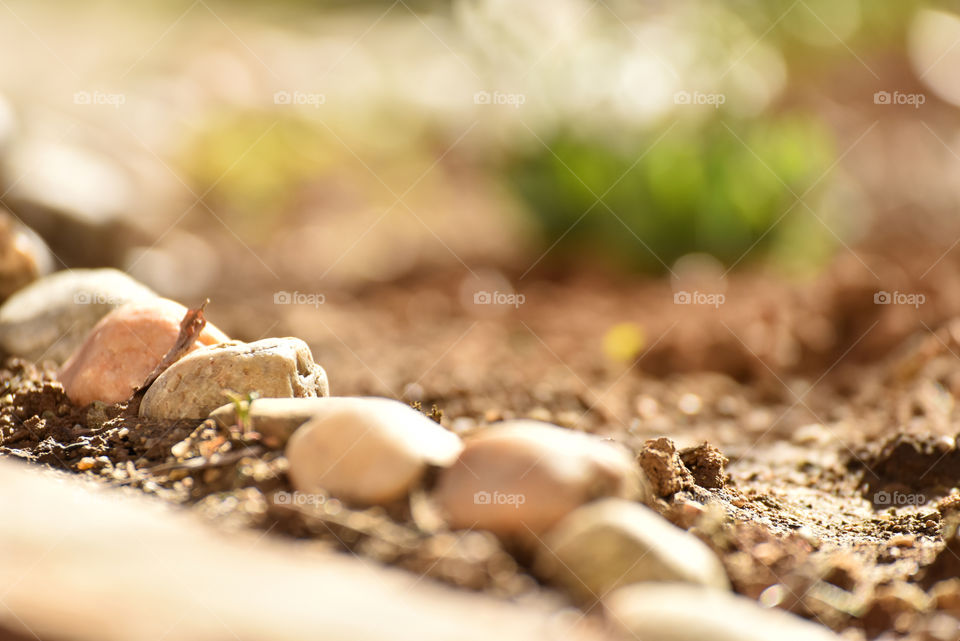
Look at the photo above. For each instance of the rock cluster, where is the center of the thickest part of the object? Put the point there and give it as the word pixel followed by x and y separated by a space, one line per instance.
pixel 124 348
pixel 51 317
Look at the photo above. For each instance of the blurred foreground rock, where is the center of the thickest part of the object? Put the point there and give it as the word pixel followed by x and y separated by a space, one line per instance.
pixel 367 450
pixel 275 419
pixel 79 201
pixel 658 612
pixel 84 563
pixel 613 542
pixel 24 256
pixel 124 348
pixel 198 383
pixel 51 317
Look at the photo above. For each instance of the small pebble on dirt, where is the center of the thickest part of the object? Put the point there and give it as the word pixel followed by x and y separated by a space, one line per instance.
pixel 521 477
pixel 366 450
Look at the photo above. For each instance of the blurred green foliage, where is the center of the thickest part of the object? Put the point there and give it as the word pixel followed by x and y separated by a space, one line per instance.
pixel 723 191
pixel 252 163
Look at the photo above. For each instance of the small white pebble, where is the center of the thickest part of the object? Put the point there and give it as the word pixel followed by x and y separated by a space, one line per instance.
pixel 690 404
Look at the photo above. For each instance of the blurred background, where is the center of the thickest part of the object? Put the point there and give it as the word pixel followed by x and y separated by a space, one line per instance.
pixel 476 196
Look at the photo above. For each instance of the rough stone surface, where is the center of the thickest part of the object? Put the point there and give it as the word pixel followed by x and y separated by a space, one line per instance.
pixel 661 463
pixel 611 543
pixel 124 348
pixel 51 317
pixel 658 612
pixel 275 419
pixel 199 382
pixel 367 450
pixel 518 477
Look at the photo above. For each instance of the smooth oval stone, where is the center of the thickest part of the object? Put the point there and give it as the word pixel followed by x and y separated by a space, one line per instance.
pixel 51 317
pixel 613 542
pixel 124 348
pixel 518 477
pixel 677 612
pixel 367 450
pixel 199 382
pixel 275 419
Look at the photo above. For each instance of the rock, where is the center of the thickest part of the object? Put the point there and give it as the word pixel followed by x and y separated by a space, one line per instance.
pixel 198 383
pixel 51 317
pixel 659 612
pixel 518 477
pixel 662 465
pixel 894 605
pixel 137 570
pixel 946 596
pixel 707 464
pixel 23 256
pixel 274 418
pixel 367 450
pixel 607 544
pixel 75 198
pixel 124 348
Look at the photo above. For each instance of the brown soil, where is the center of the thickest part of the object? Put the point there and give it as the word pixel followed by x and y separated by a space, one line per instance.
pixel 827 484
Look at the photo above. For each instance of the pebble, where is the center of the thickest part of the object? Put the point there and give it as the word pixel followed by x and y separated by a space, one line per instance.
pixel 76 198
pixel 275 419
pixel 51 317
pixel 522 476
pixel 124 348
pixel 614 542
pixel 367 450
pixel 659 612
pixel 946 595
pixel 23 256
pixel 198 383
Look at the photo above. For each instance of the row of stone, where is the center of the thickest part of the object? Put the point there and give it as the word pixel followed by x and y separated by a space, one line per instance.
pixel 573 500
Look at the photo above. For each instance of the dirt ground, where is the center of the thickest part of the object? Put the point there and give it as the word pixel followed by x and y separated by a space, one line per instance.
pixel 828 488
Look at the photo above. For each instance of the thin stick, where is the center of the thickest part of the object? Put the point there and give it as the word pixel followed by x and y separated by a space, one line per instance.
pixel 190 328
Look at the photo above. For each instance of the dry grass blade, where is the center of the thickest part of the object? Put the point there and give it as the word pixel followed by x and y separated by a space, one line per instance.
pixel 190 328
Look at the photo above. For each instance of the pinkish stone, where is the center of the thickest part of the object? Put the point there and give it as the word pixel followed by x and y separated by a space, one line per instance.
pixel 123 348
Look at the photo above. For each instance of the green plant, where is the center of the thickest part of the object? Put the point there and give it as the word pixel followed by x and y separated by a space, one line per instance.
pixel 723 189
